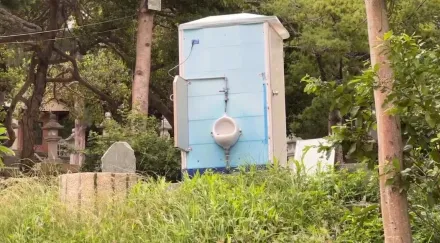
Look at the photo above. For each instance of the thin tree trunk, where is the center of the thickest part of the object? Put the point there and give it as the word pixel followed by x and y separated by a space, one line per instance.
pixel 334 116
pixel 143 59
pixel 335 119
pixel 394 204
pixel 31 114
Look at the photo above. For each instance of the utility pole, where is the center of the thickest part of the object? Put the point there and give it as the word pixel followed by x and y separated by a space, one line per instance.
pixel 141 81
pixel 394 204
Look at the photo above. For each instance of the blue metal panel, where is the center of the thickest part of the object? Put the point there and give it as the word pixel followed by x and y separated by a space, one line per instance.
pixel 205 156
pixel 211 156
pixel 246 104
pixel 206 87
pixel 206 58
pixel 192 172
pixel 233 35
pixel 245 153
pixel 205 107
pixel 237 53
pixel 244 81
pixel 239 81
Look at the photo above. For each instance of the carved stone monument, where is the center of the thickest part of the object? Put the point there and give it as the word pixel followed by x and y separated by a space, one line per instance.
pixel 119 158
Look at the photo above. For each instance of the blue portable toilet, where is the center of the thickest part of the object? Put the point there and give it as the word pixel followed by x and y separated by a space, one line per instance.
pixel 229 104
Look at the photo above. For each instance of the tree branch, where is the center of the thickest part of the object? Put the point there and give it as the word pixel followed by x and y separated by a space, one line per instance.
pixel 157 103
pixel 321 67
pixel 77 77
pixel 18 97
pixel 60 80
pixel 13 24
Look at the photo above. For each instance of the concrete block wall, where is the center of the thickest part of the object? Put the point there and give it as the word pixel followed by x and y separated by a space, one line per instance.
pixel 94 189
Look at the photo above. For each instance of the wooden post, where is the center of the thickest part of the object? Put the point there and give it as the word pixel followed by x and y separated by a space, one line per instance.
pixel 394 204
pixel 141 79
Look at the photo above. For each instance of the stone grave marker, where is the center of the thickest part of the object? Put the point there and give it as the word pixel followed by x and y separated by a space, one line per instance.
pixel 307 152
pixel 119 158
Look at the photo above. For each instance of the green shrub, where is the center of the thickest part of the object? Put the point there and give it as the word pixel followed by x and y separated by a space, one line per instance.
pixel 256 206
pixel 155 156
pixel 4 150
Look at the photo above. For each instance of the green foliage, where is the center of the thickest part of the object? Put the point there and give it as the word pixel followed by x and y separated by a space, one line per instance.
pixel 4 150
pixel 155 156
pixel 329 40
pixel 354 99
pixel 254 206
pixel 309 124
pixel 414 98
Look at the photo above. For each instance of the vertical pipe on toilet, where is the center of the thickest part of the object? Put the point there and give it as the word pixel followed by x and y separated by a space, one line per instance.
pixel 226 94
pixel 266 79
pixel 228 165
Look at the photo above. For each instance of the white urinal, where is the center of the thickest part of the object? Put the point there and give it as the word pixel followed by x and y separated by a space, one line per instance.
pixel 225 132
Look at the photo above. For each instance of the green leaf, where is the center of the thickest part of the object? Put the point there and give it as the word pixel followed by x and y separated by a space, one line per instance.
pixel 429 120
pixel 354 111
pixel 352 148
pixel 435 155
pixel 388 35
pixel 6 150
pixel 396 164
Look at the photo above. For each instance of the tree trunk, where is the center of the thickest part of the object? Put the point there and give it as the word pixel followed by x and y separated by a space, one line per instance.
pixel 31 114
pixel 143 59
pixel 2 98
pixel 394 204
pixel 15 100
pixel 334 116
pixel 335 119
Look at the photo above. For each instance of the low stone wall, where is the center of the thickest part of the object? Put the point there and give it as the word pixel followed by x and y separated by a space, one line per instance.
pixel 94 190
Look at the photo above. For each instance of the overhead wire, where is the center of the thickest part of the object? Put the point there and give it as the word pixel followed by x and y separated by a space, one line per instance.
pixel 59 38
pixel 62 29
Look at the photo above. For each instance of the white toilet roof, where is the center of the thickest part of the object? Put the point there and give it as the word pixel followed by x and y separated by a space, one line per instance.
pixel 236 19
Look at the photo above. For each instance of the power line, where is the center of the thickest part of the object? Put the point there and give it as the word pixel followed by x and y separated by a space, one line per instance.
pixel 59 38
pixel 78 27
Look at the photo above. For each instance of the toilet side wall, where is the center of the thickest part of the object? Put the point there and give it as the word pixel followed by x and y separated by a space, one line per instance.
pixel 276 96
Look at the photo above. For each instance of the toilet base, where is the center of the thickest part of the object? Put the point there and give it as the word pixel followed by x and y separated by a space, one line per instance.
pixel 221 170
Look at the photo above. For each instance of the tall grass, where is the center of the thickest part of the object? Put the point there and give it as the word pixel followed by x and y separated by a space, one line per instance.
pixel 256 206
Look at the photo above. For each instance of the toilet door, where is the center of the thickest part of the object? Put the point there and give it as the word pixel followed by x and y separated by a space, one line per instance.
pixel 180 100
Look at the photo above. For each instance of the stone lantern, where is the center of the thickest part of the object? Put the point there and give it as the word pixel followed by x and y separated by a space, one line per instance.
pixel 108 117
pixel 52 138
pixel 165 128
pixel 15 126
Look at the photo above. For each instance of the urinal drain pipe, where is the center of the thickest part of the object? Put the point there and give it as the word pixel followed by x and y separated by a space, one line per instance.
pixel 228 166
